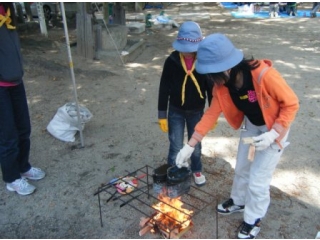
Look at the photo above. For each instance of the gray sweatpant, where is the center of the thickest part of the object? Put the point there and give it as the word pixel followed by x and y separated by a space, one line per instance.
pixel 252 179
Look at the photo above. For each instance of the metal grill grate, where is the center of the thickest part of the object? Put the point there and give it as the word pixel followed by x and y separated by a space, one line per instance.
pixel 143 197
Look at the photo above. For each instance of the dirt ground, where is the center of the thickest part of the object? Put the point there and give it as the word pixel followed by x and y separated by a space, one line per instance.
pixel 123 134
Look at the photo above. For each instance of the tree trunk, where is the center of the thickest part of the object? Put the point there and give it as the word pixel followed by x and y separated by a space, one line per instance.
pixel 28 11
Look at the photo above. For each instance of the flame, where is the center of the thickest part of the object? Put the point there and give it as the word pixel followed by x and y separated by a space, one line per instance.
pixel 171 214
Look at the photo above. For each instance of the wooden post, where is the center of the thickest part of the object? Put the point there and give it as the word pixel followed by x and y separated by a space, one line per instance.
pixel 20 17
pixel 119 16
pixel 98 39
pixel 137 7
pixel 42 20
pixel 106 12
pixel 85 39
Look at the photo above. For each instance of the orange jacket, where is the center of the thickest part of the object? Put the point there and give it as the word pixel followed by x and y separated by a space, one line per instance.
pixel 278 103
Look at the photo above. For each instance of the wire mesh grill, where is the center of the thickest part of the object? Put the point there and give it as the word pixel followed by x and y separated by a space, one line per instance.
pixel 143 197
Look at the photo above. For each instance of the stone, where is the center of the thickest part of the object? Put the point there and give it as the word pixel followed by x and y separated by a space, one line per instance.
pixel 136 27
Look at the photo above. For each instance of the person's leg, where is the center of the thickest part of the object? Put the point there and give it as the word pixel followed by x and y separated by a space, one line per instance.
pixel 294 10
pixel 192 119
pixel 271 9
pixel 242 168
pixel 22 119
pixel 176 124
pixel 261 171
pixel 315 8
pixel 314 5
pixel 288 9
pixel 276 10
pixel 196 165
pixel 10 134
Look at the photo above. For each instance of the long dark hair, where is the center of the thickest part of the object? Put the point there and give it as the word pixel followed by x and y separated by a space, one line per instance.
pixel 246 65
pixel 7 5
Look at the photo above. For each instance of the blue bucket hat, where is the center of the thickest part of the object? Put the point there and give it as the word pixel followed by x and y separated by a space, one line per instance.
pixel 189 37
pixel 216 53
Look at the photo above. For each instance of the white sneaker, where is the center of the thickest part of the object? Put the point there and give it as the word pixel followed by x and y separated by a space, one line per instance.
pixel 229 207
pixel 249 231
pixel 21 186
pixel 34 174
pixel 199 178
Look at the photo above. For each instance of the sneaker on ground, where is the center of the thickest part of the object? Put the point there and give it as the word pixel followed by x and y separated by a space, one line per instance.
pixel 229 207
pixel 21 186
pixel 248 231
pixel 34 174
pixel 199 179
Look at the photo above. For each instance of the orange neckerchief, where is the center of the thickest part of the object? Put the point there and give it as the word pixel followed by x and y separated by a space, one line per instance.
pixel 7 20
pixel 188 73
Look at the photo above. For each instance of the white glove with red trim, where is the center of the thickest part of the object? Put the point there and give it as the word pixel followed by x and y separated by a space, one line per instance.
pixel 264 140
pixel 183 155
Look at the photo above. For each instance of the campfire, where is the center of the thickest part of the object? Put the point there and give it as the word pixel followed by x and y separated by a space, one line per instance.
pixel 168 209
pixel 170 219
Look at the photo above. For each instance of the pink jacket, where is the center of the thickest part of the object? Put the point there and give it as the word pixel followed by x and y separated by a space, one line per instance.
pixel 278 103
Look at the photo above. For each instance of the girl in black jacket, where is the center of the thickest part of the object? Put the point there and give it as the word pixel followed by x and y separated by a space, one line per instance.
pixel 15 126
pixel 182 95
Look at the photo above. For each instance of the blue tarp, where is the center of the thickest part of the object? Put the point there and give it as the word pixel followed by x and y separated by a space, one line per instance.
pixel 265 14
pixel 229 5
pixel 261 14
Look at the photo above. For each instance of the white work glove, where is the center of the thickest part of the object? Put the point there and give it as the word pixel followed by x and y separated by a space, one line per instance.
pixel 183 155
pixel 264 140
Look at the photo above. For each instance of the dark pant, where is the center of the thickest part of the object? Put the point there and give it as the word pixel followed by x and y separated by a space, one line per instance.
pixel 15 132
pixel 292 9
pixel 177 120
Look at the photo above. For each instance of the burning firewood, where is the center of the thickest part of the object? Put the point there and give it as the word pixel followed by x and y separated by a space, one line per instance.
pixel 144 230
pixel 171 220
pixel 150 225
pixel 172 234
pixel 144 221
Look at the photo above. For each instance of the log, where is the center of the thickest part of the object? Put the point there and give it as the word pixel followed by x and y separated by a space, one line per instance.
pixel 143 221
pixel 144 230
pixel 170 234
pixel 174 233
pixel 165 233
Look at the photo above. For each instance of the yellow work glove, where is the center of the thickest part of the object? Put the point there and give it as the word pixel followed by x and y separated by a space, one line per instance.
pixel 163 123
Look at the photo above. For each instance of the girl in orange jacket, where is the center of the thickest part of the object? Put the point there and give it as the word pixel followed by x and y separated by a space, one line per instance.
pixel 254 93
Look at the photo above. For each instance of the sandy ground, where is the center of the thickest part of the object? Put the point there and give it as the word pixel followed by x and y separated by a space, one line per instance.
pixel 123 134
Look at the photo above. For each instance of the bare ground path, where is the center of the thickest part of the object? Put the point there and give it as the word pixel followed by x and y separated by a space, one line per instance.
pixel 123 133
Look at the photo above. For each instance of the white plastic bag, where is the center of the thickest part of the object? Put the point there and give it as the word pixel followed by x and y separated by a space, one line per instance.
pixel 64 124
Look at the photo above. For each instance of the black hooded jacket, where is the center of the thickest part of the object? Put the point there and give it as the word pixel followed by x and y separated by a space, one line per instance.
pixel 11 69
pixel 170 89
